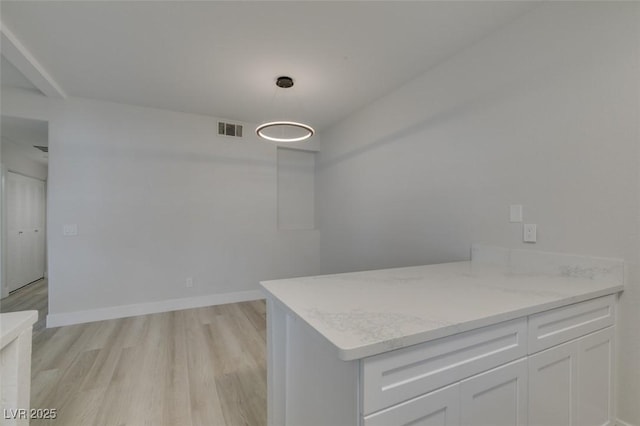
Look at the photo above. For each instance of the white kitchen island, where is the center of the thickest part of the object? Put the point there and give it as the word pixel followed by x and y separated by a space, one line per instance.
pixel 511 337
pixel 15 366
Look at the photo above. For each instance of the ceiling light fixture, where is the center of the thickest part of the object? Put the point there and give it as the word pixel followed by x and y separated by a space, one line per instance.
pixel 284 131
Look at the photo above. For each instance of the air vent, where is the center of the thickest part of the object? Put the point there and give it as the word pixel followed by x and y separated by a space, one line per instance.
pixel 229 129
pixel 42 148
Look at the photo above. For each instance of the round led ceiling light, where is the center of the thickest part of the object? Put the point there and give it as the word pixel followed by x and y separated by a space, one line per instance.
pixel 284 131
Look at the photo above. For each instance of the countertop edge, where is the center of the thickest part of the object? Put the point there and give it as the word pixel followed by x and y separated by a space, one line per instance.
pixel 351 354
pixel 347 354
pixel 17 322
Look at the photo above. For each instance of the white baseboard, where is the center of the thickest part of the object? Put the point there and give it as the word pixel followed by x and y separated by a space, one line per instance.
pixel 621 423
pixel 122 311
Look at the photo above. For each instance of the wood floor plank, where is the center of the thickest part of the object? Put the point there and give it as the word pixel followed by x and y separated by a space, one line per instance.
pixel 249 341
pixel 253 385
pixel 71 402
pixel 178 410
pixel 57 353
pixel 42 385
pixel 80 410
pixel 154 372
pixel 234 405
pixel 196 367
pixel 34 296
pixel 121 393
pixel 256 313
pixel 105 342
pixel 201 367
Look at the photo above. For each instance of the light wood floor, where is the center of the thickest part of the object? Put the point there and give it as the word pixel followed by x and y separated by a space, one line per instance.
pixel 35 296
pixel 202 366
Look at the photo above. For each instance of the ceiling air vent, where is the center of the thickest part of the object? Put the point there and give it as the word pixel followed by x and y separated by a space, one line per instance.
pixel 229 129
pixel 42 148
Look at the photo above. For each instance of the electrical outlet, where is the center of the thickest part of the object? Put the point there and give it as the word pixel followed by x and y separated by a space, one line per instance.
pixel 530 232
pixel 188 282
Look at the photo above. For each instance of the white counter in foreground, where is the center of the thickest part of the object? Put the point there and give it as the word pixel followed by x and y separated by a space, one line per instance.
pixel 456 343
pixel 367 313
pixel 15 365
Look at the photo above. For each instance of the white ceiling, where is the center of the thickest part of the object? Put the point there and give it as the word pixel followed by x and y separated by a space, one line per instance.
pixel 222 58
pixel 23 134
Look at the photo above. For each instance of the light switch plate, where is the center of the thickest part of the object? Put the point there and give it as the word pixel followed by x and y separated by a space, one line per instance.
pixel 70 230
pixel 515 213
pixel 530 233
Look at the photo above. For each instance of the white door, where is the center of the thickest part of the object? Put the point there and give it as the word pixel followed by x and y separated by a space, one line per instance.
pixel 439 408
pixel 25 198
pixel 552 384
pixel 495 398
pixel 595 379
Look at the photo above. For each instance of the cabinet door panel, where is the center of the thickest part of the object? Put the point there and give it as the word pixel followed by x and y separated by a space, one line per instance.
pixel 14 267
pixel 595 375
pixel 552 383
pixel 496 398
pixel 439 408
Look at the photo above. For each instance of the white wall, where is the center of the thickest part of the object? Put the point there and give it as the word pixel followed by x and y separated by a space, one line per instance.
pixel 296 189
pixel 157 197
pixel 15 161
pixel 545 113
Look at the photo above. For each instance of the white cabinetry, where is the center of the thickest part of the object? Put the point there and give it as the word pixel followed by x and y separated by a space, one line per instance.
pixel 397 376
pixel 15 365
pixel 595 379
pixel 552 378
pixel 549 369
pixel 571 384
pixel 553 368
pixel 495 398
pixel 439 408
pixel 560 325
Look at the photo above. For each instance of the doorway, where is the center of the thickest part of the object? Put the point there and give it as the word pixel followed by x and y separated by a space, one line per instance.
pixel 25 207
pixel 24 166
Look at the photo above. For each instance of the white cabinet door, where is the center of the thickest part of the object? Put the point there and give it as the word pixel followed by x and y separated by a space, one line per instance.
pixel 17 239
pixel 25 201
pixel 571 384
pixel 16 277
pixel 595 379
pixel 438 408
pixel 495 398
pixel 552 384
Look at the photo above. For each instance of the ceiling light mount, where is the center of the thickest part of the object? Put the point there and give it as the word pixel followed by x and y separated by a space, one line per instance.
pixel 284 131
pixel 284 82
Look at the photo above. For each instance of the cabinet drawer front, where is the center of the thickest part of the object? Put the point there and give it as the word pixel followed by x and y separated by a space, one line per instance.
pixel 397 376
pixel 560 325
pixel 441 408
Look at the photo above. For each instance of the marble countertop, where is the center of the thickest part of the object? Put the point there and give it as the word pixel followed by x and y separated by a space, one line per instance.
pixel 367 313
